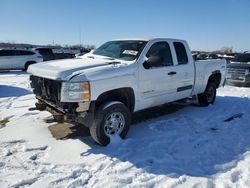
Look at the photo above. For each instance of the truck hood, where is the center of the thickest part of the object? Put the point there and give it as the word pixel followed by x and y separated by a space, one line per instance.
pixel 66 69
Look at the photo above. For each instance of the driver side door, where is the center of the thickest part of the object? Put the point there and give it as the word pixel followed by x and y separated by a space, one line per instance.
pixel 157 83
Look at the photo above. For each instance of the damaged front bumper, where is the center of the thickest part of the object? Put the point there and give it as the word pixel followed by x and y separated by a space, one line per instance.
pixel 48 95
pixel 85 116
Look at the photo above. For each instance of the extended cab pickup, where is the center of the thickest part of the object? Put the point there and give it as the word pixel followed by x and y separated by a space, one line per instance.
pixel 101 89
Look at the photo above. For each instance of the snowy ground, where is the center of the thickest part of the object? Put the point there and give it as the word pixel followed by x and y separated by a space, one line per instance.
pixel 192 147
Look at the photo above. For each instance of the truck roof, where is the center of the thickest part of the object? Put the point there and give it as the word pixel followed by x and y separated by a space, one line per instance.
pixel 17 49
pixel 146 39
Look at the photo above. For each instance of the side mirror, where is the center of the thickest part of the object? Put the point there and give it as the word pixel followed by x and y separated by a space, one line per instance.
pixel 152 61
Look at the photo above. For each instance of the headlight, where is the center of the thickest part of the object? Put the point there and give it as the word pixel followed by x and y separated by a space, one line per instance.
pixel 75 91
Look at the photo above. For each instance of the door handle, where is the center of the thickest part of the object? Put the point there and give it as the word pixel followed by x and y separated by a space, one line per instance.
pixel 171 73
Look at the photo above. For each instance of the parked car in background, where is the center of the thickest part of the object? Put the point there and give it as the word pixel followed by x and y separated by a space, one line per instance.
pixel 12 59
pixel 63 55
pixel 238 71
pixel 82 52
pixel 47 53
pixel 212 56
pixel 201 56
pixel 228 57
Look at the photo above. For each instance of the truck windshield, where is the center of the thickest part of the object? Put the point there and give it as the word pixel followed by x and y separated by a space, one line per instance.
pixel 127 50
pixel 244 58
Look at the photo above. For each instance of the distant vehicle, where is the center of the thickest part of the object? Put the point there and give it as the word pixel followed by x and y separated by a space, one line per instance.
pixel 63 55
pixel 83 52
pixel 12 59
pixel 212 56
pixel 102 89
pixel 238 71
pixel 201 56
pixel 228 57
pixel 47 53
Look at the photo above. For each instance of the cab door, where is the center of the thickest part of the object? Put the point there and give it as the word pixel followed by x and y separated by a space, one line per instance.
pixel 185 70
pixel 157 81
pixel 7 59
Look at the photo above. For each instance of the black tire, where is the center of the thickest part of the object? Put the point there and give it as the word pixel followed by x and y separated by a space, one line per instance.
pixel 209 95
pixel 101 116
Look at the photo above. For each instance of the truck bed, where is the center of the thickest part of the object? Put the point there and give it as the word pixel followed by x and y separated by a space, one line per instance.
pixel 207 67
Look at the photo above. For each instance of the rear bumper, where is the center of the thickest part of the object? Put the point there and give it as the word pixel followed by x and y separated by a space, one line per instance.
pixel 238 83
pixel 238 75
pixel 244 81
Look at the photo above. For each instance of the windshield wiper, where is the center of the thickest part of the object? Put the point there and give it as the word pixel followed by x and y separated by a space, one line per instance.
pixel 103 57
pixel 108 58
pixel 114 62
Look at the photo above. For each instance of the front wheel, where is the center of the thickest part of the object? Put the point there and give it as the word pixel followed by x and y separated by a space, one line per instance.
pixel 111 119
pixel 209 95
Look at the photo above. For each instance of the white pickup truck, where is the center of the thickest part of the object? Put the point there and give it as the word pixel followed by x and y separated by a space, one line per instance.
pixel 101 89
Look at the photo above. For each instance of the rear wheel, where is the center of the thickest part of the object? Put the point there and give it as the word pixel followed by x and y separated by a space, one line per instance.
pixel 209 95
pixel 111 119
pixel 26 66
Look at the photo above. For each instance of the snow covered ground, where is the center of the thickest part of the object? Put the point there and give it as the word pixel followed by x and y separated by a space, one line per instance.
pixel 192 147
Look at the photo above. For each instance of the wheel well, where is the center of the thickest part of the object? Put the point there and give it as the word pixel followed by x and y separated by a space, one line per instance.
pixel 29 63
pixel 215 78
pixel 124 95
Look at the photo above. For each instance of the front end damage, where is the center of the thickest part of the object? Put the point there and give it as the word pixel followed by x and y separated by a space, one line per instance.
pixel 48 94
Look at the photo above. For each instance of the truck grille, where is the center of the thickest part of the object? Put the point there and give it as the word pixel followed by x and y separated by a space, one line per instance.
pixel 236 74
pixel 46 89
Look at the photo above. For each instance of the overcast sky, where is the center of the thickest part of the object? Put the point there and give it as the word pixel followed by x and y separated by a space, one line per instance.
pixel 205 24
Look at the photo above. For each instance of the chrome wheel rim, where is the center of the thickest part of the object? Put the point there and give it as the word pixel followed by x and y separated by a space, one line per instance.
pixel 114 124
pixel 210 94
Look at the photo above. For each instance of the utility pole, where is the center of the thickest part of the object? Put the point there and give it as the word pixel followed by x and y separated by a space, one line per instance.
pixel 80 36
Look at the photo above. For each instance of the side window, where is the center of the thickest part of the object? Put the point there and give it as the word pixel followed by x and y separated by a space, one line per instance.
pixel 2 53
pixel 161 50
pixel 21 52
pixel 17 52
pixel 7 53
pixel 180 53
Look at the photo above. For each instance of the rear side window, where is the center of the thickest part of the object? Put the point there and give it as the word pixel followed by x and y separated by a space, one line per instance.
pixel 7 53
pixel 181 53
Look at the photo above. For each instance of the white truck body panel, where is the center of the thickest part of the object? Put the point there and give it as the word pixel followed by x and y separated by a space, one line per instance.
pixel 67 68
pixel 209 66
